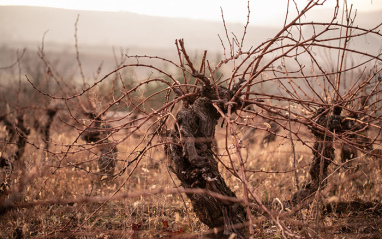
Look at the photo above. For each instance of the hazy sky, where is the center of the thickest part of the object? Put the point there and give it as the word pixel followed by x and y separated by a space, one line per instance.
pixel 262 11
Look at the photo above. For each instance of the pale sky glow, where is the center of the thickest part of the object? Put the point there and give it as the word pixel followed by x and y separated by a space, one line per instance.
pixel 262 11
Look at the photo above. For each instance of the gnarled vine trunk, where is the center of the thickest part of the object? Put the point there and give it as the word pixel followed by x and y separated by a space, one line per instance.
pixel 323 148
pixel 108 151
pixel 195 166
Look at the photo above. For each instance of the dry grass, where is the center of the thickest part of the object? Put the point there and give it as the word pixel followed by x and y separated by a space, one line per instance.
pixel 117 216
pixel 36 181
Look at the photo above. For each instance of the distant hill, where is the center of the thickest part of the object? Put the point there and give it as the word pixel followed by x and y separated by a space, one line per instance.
pixel 98 32
pixel 20 24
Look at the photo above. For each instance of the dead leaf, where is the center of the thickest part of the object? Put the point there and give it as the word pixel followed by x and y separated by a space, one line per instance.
pixel 165 224
pixel 136 226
